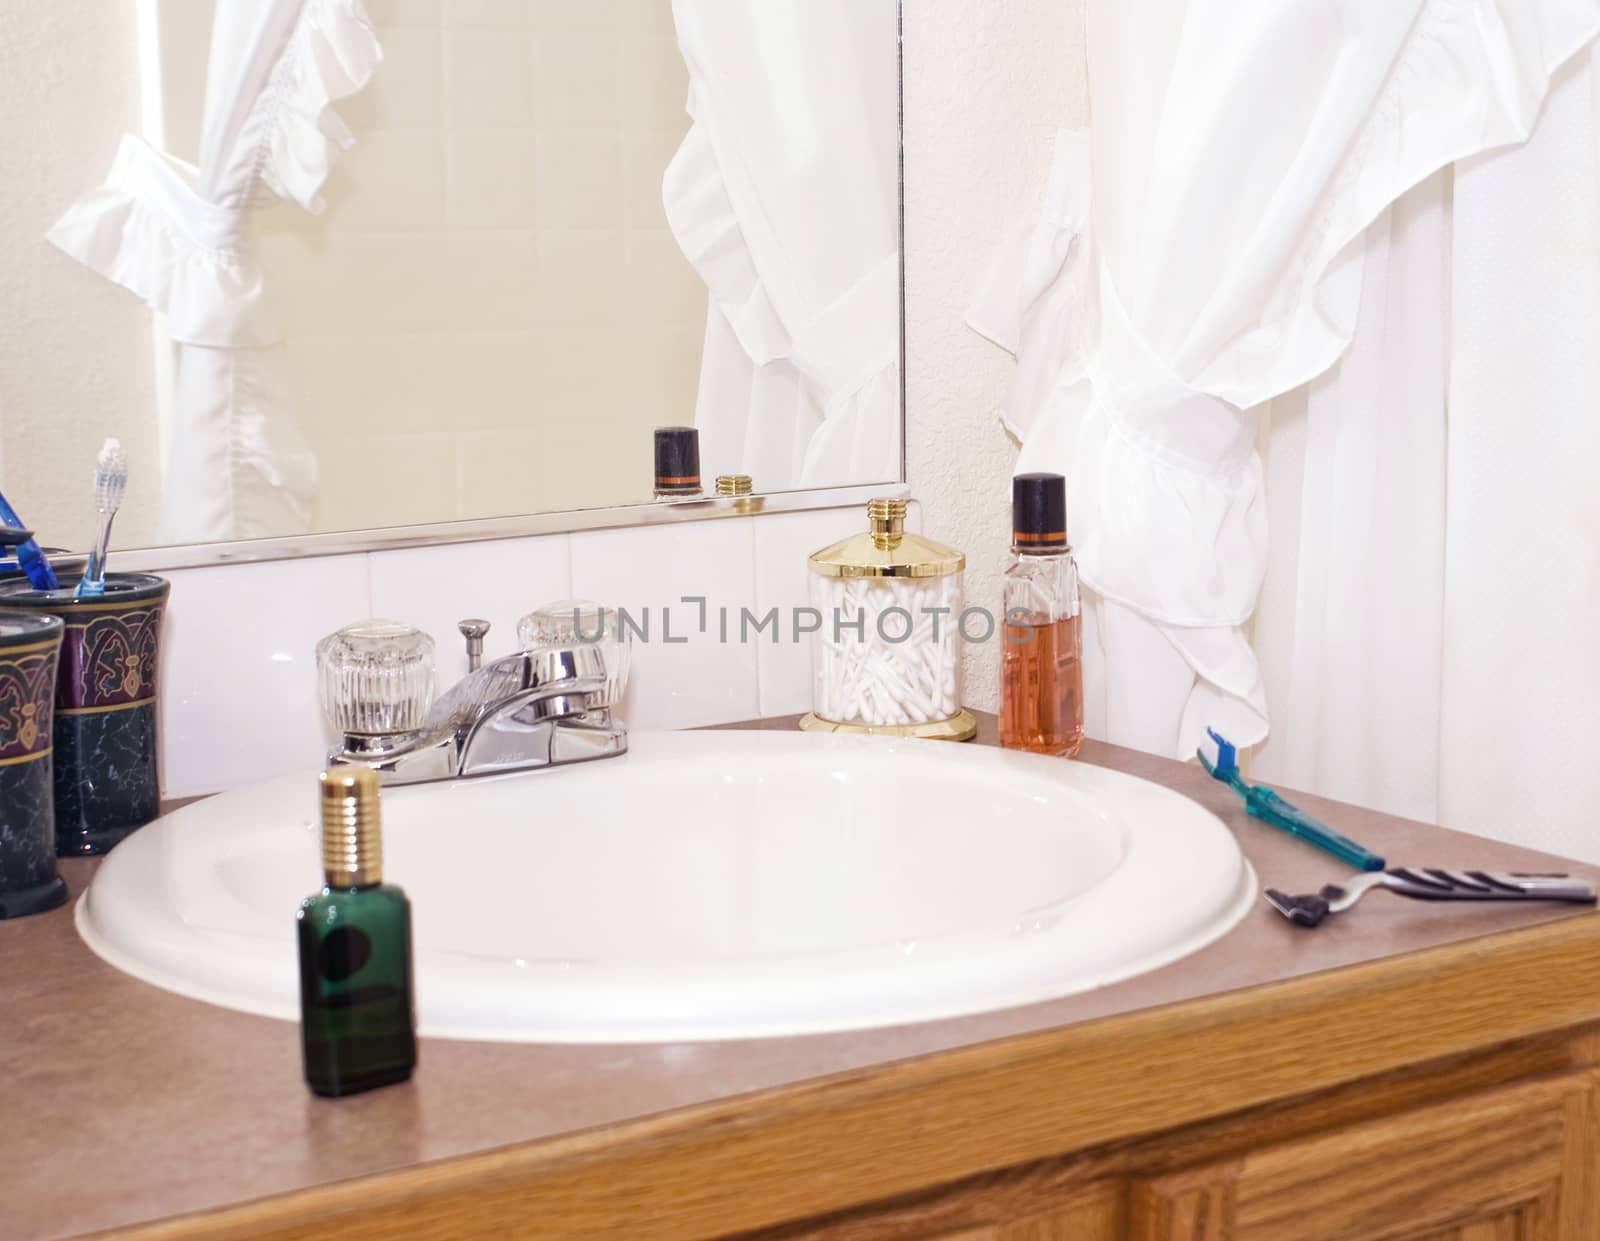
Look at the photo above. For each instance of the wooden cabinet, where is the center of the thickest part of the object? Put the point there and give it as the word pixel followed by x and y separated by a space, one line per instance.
pixel 1515 1163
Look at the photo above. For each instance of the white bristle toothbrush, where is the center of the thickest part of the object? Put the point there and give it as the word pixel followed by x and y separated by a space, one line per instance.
pixel 110 484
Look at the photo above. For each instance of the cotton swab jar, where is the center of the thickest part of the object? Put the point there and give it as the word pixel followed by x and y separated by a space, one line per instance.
pixel 886 651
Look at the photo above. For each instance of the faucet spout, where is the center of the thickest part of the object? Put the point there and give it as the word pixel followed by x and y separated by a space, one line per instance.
pixel 545 707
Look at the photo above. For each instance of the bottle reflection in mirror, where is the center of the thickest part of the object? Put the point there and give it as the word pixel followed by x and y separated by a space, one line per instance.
pixel 677 463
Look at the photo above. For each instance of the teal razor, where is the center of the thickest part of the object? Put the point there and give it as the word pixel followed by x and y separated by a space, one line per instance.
pixel 1264 804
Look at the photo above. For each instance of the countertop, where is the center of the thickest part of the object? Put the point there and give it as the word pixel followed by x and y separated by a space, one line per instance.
pixel 121 1104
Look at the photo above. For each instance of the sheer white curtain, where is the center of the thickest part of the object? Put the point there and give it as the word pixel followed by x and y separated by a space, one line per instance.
pixel 784 197
pixel 179 237
pixel 1202 252
pixel 1349 630
pixel 1427 629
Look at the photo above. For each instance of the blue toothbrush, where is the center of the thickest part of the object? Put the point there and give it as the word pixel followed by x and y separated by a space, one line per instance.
pixel 1264 804
pixel 29 554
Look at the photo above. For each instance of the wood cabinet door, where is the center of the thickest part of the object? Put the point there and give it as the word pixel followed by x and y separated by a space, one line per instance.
pixel 1517 1164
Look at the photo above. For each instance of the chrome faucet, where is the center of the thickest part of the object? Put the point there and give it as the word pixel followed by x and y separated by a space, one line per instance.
pixel 544 707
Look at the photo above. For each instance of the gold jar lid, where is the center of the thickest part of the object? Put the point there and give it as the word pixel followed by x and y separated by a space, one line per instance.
pixel 887 550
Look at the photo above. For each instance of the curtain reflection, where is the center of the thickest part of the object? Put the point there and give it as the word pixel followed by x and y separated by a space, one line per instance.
pixel 784 197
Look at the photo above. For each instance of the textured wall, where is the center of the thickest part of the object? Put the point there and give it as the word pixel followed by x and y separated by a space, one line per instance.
pixel 76 360
pixel 987 86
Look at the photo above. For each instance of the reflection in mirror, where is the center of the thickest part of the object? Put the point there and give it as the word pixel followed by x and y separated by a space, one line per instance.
pixel 439 260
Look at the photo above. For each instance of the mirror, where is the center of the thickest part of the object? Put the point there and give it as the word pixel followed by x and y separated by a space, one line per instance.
pixel 456 260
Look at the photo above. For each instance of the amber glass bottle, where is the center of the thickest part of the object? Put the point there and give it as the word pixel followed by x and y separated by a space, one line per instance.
pixel 1041 670
pixel 356 1017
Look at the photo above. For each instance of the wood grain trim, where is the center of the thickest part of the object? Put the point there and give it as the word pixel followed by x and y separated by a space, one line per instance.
pixel 819 1147
pixel 1077 1183
pixel 1197 1206
pixel 1576 1213
pixel 1473 1159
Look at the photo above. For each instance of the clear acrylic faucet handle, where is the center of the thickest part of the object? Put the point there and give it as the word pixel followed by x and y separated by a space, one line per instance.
pixel 376 678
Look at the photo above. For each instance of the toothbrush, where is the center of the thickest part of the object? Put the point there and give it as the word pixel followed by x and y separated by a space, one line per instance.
pixel 29 554
pixel 110 483
pixel 1264 804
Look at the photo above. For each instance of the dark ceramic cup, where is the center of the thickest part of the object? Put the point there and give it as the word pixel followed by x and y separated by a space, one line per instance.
pixel 30 645
pixel 106 783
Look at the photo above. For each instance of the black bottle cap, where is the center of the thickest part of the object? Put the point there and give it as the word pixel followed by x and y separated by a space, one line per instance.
pixel 677 461
pixel 1039 513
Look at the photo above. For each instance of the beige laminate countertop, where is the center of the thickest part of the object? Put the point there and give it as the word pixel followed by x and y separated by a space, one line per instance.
pixel 121 1104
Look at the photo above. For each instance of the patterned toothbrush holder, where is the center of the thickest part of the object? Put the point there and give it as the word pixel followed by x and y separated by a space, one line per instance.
pixel 30 647
pixel 106 783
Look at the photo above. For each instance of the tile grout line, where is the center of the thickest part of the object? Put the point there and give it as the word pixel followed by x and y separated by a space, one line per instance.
pixel 758 602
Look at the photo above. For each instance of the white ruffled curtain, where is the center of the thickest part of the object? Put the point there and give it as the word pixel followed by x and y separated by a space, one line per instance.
pixel 179 237
pixel 1349 630
pixel 1427 626
pixel 1199 253
pixel 784 198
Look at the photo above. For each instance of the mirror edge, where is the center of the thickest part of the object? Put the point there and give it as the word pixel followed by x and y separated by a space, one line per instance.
pixel 534 525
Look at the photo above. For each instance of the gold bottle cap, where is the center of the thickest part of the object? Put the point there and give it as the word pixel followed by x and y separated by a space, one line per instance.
pixel 735 485
pixel 886 550
pixel 352 828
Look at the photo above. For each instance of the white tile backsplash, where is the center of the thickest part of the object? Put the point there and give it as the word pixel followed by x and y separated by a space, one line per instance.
pixel 579 180
pixel 487 85
pixel 389 184
pixel 577 80
pixel 500 582
pixel 239 690
pixel 491 177
pixel 406 94
pixel 490 279
pixel 495 14
pixel 409 465
pixel 239 685
pixel 403 13
pixel 783 544
pixel 587 15
pixel 648 571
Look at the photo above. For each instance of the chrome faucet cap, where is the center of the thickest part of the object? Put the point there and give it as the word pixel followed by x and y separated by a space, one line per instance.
pixel 376 679
pixel 474 631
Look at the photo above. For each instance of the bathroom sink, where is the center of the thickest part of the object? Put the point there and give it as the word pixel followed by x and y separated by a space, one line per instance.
pixel 704 886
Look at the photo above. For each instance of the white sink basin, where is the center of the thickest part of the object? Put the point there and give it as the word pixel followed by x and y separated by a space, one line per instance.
pixel 705 886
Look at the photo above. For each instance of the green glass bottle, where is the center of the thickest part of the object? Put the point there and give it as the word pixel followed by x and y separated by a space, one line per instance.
pixel 356 1017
